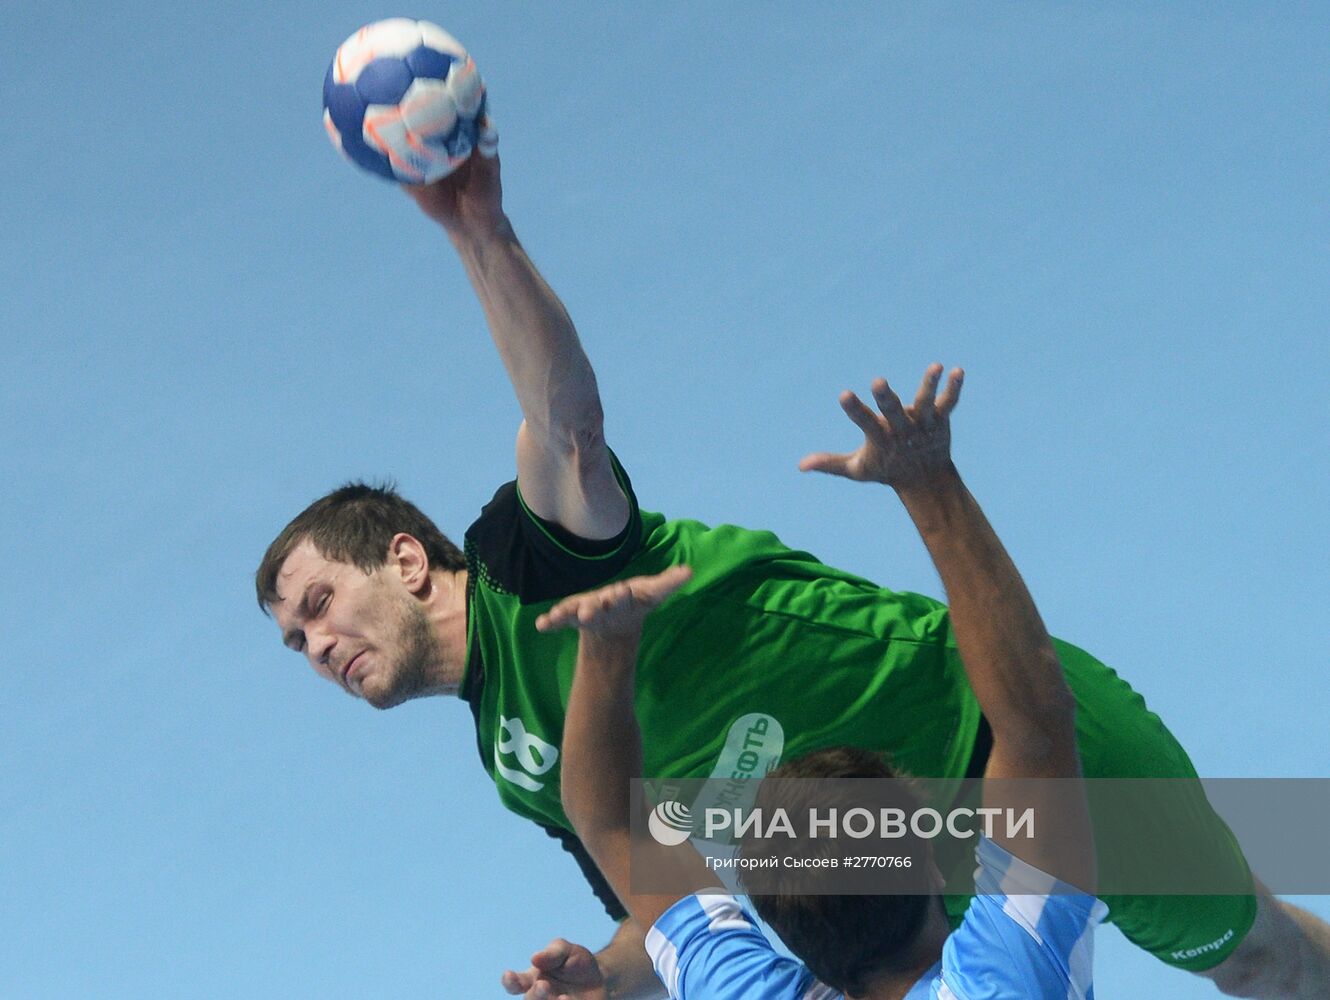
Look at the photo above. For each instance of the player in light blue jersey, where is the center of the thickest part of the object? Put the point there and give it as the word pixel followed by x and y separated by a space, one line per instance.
pixel 1028 934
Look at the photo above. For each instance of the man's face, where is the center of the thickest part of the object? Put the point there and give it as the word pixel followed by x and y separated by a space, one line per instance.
pixel 365 632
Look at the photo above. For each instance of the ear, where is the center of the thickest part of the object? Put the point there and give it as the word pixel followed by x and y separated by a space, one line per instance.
pixel 407 556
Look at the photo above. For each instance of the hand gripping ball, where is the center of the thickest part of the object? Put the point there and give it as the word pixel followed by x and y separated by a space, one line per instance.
pixel 403 100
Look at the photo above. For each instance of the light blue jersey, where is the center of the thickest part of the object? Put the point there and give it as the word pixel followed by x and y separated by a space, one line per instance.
pixel 1026 936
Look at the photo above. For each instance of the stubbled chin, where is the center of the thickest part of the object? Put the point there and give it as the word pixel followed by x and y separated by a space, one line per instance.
pixel 377 696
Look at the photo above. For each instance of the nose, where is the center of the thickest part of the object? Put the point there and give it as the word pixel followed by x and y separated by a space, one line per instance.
pixel 319 645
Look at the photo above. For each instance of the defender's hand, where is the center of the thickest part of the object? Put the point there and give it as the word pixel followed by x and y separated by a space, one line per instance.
pixel 616 609
pixel 903 446
pixel 469 201
pixel 559 971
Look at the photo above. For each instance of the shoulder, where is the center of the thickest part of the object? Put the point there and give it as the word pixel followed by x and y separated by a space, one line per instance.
pixel 1038 902
pixel 1025 930
pixel 511 550
pixel 707 946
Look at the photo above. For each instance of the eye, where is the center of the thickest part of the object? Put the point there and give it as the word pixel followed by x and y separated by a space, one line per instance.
pixel 323 603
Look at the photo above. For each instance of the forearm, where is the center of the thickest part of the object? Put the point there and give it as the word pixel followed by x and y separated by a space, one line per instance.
pixel 602 753
pixel 602 744
pixel 1008 656
pixel 626 966
pixel 533 332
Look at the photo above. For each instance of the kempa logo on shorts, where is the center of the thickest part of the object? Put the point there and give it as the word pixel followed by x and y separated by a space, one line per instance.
pixel 670 823
pixel 1212 946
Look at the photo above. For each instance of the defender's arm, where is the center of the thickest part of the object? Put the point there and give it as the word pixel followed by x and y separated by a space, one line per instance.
pixel 1016 677
pixel 1008 656
pixel 602 743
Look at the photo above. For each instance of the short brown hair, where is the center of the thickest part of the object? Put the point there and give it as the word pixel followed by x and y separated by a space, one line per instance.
pixel 845 940
pixel 355 524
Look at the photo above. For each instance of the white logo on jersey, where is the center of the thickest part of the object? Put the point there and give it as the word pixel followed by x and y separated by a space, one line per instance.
pixel 533 754
pixel 752 748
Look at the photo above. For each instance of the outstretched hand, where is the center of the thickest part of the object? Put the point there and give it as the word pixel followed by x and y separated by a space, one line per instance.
pixel 618 608
pixel 559 971
pixel 903 445
pixel 470 199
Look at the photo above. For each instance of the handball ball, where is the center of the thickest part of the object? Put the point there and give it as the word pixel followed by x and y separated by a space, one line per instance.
pixel 402 100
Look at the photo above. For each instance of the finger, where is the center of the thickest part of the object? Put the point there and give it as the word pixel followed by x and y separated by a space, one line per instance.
pixel 825 461
pixel 657 588
pixel 674 578
pixel 889 404
pixel 653 590
pixel 864 418
pixel 562 615
pixel 599 603
pixel 951 395
pixel 552 956
pixel 923 399
pixel 487 136
pixel 517 983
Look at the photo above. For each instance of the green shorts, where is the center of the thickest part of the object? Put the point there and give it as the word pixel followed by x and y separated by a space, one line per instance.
pixel 1119 737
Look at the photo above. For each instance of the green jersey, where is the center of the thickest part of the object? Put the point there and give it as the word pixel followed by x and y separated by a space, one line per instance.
pixel 767 654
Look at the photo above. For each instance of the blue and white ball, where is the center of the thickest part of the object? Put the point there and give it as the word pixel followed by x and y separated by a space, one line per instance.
pixel 402 99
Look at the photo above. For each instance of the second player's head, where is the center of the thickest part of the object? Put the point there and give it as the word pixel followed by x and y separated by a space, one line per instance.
pixel 352 582
pixel 847 941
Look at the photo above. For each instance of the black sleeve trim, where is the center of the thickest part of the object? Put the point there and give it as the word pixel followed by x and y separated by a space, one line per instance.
pixel 518 553
pixel 587 548
pixel 590 872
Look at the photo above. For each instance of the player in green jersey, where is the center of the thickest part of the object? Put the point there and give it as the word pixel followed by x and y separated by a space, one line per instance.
pixel 786 654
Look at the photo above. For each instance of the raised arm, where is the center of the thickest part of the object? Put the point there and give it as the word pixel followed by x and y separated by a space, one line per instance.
pixel 563 465
pixel 602 744
pixel 1009 659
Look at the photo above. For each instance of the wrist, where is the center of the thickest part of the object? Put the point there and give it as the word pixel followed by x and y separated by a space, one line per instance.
pixel 936 499
pixel 609 650
pixel 939 484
